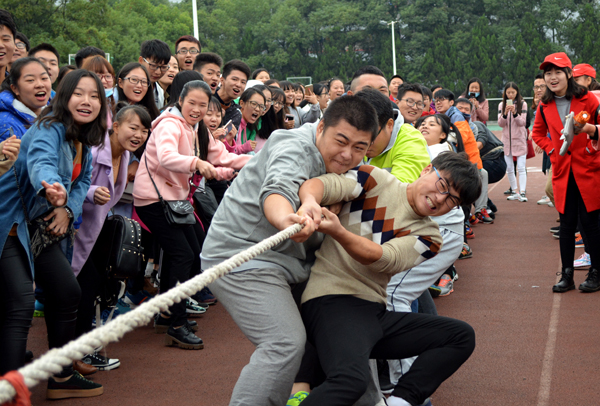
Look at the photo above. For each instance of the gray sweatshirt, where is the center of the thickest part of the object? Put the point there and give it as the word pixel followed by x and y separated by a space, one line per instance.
pixel 288 158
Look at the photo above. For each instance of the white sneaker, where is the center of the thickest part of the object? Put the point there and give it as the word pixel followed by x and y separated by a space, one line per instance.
pixel 101 362
pixel 523 198
pixel 514 196
pixel 544 200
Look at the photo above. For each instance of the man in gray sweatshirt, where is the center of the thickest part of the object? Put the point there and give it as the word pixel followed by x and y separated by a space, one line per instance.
pixel 261 295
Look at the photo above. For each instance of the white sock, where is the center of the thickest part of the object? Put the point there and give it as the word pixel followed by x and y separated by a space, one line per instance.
pixel 149 269
pixel 396 401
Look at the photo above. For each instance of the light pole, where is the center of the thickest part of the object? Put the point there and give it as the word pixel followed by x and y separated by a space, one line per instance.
pixel 393 42
pixel 195 18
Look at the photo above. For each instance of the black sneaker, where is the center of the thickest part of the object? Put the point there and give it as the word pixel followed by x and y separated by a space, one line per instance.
pixel 161 324
pixel 554 230
pixel 75 387
pixel 184 338
pixel 101 362
pixel 508 192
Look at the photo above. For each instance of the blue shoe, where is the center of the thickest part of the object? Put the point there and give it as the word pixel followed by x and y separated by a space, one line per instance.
pixel 105 314
pixel 205 297
pixel 39 310
pixel 123 307
pixel 135 300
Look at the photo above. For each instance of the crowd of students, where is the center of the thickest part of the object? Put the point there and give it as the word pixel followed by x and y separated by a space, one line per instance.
pixel 403 169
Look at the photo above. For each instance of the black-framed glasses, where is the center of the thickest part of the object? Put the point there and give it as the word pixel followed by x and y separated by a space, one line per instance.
pixel 135 81
pixel 185 51
pixel 21 45
pixel 442 186
pixel 268 102
pixel 257 106
pixel 412 103
pixel 153 66
pixel 440 99
pixel 540 87
pixel 278 104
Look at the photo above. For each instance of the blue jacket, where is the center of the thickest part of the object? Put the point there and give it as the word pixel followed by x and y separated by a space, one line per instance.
pixel 45 155
pixel 15 115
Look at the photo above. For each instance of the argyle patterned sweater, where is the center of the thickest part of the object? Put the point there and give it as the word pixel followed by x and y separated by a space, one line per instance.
pixel 378 210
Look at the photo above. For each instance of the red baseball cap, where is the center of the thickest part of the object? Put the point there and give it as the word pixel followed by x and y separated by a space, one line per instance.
pixel 559 59
pixel 584 69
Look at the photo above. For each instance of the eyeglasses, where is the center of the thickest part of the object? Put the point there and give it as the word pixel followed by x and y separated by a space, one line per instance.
pixel 257 106
pixel 268 102
pixel 540 87
pixel 412 103
pixel 440 99
pixel 154 66
pixel 278 104
pixel 442 187
pixel 21 45
pixel 108 77
pixel 135 81
pixel 185 51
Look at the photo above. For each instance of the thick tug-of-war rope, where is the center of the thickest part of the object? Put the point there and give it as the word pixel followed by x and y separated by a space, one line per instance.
pixel 53 361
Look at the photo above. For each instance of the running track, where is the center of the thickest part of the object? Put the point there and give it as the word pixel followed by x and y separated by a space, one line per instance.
pixel 533 347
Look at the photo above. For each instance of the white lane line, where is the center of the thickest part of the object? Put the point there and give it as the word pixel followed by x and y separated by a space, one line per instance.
pixel 546 377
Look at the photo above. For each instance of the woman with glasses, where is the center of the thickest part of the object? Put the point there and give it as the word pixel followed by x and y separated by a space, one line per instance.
pixel 252 106
pixel 133 82
pixel 101 67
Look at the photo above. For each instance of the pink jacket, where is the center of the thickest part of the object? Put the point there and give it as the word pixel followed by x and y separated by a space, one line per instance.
pixel 241 144
pixel 171 157
pixel 514 133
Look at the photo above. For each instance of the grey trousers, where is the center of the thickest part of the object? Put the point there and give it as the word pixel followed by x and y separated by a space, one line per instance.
pixel 481 202
pixel 260 302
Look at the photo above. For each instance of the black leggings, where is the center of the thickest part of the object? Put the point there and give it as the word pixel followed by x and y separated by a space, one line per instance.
pixel 442 345
pixel 181 252
pixel 54 275
pixel 575 211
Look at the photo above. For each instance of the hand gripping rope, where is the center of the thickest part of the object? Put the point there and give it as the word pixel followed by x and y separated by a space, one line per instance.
pixel 53 361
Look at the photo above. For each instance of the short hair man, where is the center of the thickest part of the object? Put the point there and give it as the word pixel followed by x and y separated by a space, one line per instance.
pixel 410 102
pixel 369 76
pixel 209 65
pixel 427 99
pixel 263 200
pixel 347 284
pixel 155 56
pixel 187 48
pixel 86 53
pixel 233 83
pixel 49 56
pixel 22 47
pixel 395 82
pixel 8 31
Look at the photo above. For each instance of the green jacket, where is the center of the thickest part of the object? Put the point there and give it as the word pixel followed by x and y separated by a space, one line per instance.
pixel 405 156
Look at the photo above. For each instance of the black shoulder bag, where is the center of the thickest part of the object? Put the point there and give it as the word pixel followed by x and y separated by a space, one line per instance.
pixel 179 213
pixel 120 246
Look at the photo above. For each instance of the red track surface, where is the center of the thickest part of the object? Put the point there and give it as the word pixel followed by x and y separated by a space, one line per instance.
pixel 533 347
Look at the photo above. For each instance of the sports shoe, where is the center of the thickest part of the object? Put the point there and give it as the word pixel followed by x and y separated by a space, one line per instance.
pixel 491 206
pixel 205 296
pixel 74 387
pixel 193 309
pixel 583 261
pixel 466 252
pixel 161 324
pixel 123 307
pixel 469 232
pixel 105 314
pixel 484 217
pixel 514 196
pixel 182 337
pixel 137 299
pixel 446 285
pixel 544 200
pixel 523 197
pixel 509 191
pixel 492 214
pixel 101 362
pixel 39 310
pixel 550 204
pixel 554 229
pixel 556 235
pixel 297 398
pixel 578 240
pixel 434 290
pixel 473 220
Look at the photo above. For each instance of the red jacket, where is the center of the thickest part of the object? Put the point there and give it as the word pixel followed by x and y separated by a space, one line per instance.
pixel 581 158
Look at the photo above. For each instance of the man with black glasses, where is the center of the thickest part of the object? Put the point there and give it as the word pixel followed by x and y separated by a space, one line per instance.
pixel 155 56
pixel 187 49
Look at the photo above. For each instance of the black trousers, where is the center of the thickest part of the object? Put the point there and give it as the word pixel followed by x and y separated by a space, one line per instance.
pixel 181 247
pixel 575 211
pixel 54 275
pixel 348 331
pixel 496 169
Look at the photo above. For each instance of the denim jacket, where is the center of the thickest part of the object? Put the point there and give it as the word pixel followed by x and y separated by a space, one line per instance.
pixel 45 156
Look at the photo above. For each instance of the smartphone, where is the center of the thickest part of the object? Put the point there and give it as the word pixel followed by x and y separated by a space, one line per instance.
pixel 228 127
pixel 289 117
pixel 509 102
pixel 308 90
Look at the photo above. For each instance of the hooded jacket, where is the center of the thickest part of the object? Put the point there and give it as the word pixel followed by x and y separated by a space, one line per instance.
pixel 15 115
pixel 467 135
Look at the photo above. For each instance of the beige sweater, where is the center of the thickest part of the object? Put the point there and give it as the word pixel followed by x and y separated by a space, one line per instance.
pixel 378 210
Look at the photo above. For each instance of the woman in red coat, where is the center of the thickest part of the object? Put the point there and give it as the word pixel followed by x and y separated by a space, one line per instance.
pixel 575 176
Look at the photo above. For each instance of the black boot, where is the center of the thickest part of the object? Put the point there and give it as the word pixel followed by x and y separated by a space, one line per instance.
pixel 566 282
pixel 592 282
